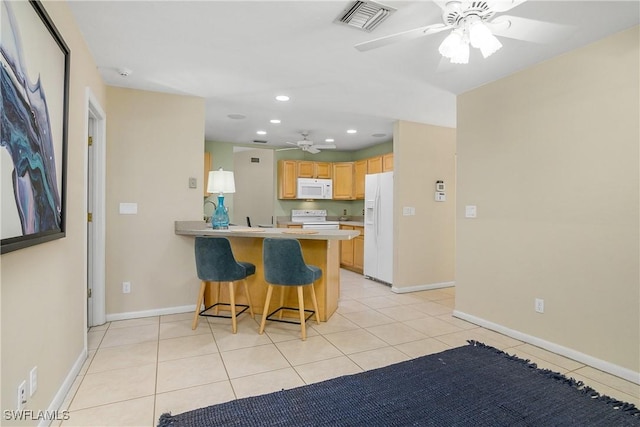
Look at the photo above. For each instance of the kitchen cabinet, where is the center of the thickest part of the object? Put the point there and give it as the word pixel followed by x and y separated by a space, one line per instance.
pixel 358 251
pixel 387 162
pixel 308 169
pixel 359 171
pixel 207 167
pixel 374 164
pixel 352 251
pixel 343 181
pixel 287 179
pixel 346 250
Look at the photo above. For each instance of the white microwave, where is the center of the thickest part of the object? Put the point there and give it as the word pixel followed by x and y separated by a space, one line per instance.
pixel 309 188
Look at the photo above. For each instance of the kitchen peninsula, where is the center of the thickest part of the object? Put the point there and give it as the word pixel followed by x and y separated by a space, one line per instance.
pixel 319 247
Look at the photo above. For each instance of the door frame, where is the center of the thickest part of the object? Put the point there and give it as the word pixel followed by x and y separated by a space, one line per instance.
pixel 96 123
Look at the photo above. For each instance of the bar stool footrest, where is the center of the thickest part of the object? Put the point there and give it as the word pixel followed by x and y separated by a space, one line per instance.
pixel 296 309
pixel 238 313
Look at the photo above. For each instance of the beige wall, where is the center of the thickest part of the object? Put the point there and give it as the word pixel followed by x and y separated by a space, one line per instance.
pixel 43 286
pixel 155 142
pixel 550 157
pixel 424 243
pixel 254 194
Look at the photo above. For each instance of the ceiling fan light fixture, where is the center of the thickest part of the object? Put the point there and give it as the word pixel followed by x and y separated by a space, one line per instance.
pixel 451 44
pixel 461 55
pixel 491 45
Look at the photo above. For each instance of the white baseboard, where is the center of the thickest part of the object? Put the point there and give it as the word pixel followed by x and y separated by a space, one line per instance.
pixel 426 287
pixel 602 365
pixel 150 313
pixel 58 399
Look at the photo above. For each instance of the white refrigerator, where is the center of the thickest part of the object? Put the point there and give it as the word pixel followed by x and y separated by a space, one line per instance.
pixel 378 227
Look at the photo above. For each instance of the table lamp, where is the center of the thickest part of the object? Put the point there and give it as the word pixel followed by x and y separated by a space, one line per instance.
pixel 220 182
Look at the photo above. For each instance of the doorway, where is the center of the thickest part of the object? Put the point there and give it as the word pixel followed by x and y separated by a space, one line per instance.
pixel 95 179
pixel 254 197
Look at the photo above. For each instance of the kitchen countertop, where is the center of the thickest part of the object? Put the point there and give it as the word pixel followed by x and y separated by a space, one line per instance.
pixel 200 228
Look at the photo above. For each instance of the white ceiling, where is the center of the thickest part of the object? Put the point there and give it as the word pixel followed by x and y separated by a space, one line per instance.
pixel 239 55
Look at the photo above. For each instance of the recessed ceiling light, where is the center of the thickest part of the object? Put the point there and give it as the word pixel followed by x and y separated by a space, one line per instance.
pixel 261 132
pixel 236 116
pixel 352 131
pixel 282 98
pixel 275 121
pixel 379 135
pixel 328 140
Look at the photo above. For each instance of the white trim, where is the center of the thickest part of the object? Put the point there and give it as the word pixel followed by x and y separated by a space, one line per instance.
pixel 426 287
pixel 150 313
pixel 602 365
pixel 93 109
pixel 64 389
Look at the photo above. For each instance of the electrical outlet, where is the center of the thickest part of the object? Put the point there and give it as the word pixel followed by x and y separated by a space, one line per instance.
pixel 22 395
pixel 33 381
pixel 539 305
pixel 126 287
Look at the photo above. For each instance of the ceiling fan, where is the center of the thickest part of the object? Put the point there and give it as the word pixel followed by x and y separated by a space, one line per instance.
pixel 308 146
pixel 473 23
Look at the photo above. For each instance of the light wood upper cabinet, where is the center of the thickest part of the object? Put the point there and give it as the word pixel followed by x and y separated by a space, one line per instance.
pixel 322 170
pixel 359 171
pixel 305 169
pixel 309 169
pixel 387 162
pixel 343 181
pixel 374 164
pixel 207 167
pixel 287 179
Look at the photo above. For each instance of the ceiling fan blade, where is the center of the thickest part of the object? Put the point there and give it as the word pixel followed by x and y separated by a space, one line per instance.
pixel 530 30
pixel 504 5
pixel 286 149
pixel 325 146
pixel 312 150
pixel 292 143
pixel 398 37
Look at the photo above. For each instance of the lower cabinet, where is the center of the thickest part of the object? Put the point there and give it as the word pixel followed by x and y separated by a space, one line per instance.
pixel 352 251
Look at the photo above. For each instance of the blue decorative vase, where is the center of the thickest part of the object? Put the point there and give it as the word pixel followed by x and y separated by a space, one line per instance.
pixel 220 218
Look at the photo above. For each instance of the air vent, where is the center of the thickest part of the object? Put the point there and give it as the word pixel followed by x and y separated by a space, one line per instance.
pixel 259 141
pixel 364 15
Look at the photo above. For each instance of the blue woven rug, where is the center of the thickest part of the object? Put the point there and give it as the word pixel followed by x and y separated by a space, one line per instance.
pixel 474 385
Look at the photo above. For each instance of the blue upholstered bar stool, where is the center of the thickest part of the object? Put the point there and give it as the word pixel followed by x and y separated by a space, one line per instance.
pixel 284 266
pixel 215 263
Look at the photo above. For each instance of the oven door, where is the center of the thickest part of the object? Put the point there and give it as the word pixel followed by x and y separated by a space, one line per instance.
pixel 321 225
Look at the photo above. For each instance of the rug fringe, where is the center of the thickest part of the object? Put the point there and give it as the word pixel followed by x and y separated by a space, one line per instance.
pixel 580 386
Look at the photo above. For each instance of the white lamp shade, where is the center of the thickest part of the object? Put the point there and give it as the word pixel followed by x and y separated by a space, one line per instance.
pixel 461 56
pixel 451 44
pixel 221 182
pixel 481 37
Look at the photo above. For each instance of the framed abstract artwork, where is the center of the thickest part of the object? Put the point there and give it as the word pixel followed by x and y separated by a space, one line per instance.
pixel 34 118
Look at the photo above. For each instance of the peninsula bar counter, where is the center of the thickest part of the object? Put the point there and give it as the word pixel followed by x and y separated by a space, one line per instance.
pixel 319 247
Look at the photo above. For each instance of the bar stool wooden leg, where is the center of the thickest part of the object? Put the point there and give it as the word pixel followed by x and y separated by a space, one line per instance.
pixel 196 315
pixel 315 303
pixel 301 311
pixel 265 312
pixel 232 299
pixel 246 292
pixel 282 290
pixel 218 298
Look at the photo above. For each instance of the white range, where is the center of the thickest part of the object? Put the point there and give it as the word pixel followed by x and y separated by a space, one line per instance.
pixel 313 219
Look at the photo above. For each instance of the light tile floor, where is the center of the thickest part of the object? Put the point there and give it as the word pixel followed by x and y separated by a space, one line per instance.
pixel 138 369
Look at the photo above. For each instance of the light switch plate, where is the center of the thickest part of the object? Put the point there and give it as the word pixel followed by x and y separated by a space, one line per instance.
pixel 128 208
pixel 193 182
pixel 470 211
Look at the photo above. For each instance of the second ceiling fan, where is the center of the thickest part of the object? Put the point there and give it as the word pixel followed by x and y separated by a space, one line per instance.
pixel 308 146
